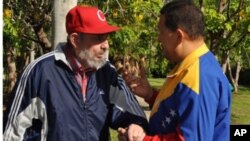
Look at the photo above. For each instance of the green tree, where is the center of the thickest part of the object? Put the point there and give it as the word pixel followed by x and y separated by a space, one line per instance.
pixel 25 34
pixel 227 27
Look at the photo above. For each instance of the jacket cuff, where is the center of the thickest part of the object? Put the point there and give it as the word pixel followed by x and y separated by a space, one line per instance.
pixel 152 99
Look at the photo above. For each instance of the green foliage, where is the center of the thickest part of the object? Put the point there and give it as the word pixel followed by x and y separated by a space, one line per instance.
pixel 138 21
pixel 138 35
pixel 228 31
pixel 214 20
pixel 138 25
pixel 10 29
pixel 20 18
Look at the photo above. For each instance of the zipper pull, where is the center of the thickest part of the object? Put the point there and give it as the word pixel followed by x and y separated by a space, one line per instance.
pixel 85 107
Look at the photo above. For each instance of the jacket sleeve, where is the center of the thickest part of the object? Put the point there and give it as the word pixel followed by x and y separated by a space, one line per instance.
pixel 26 111
pixel 151 101
pixel 178 118
pixel 166 137
pixel 125 109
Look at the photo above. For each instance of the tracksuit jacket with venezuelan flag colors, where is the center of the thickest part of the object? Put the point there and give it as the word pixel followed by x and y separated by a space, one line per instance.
pixel 49 106
pixel 194 103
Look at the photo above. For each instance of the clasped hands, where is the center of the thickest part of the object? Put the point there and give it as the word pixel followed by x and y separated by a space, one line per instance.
pixel 140 86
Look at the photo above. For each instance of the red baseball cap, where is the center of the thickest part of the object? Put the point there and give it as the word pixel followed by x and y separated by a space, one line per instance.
pixel 91 20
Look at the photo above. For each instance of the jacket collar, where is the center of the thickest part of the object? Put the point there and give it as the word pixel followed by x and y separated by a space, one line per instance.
pixel 189 60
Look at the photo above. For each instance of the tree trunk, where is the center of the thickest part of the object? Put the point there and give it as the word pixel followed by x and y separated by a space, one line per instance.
pixel 230 73
pixel 201 5
pixel 42 37
pixel 224 61
pixel 61 9
pixel 32 52
pixel 11 70
pixel 11 76
pixel 237 75
pixel 222 5
pixel 248 60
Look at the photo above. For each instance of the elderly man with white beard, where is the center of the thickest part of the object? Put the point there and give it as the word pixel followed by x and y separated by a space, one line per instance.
pixel 74 93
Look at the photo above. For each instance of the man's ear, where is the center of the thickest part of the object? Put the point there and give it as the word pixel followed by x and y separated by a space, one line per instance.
pixel 73 38
pixel 180 35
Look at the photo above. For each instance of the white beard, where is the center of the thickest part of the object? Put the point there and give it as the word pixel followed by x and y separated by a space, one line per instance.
pixel 90 59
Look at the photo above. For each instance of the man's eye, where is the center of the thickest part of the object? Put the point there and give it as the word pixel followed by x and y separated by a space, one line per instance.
pixel 102 37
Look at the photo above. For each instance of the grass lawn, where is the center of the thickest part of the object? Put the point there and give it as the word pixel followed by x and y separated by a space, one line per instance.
pixel 113 135
pixel 240 105
pixel 156 82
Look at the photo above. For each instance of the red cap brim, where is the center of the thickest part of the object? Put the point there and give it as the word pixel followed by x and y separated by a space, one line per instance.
pixel 102 30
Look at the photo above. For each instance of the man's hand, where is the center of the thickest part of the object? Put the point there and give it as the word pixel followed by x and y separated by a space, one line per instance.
pixel 132 133
pixel 138 85
pixel 122 134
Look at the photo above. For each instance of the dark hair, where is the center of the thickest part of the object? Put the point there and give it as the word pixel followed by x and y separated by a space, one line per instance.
pixel 185 15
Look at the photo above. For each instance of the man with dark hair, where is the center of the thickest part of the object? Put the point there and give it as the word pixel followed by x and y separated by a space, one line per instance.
pixel 74 93
pixel 195 101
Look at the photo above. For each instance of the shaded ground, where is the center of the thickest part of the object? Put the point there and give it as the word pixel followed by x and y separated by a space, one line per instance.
pixel 144 106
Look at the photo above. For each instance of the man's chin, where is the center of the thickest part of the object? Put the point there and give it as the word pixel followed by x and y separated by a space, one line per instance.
pixel 97 64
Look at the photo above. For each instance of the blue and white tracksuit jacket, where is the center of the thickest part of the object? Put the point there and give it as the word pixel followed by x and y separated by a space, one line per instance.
pixel 48 104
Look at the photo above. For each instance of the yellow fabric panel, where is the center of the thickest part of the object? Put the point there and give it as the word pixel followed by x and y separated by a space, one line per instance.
pixel 193 74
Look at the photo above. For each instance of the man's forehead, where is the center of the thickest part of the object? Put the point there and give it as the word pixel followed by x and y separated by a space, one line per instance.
pixel 161 22
pixel 94 35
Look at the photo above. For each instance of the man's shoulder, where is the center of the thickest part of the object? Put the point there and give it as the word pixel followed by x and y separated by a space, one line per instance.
pixel 108 67
pixel 42 61
pixel 107 72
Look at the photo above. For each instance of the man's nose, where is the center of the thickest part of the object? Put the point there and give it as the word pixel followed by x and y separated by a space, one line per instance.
pixel 105 44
